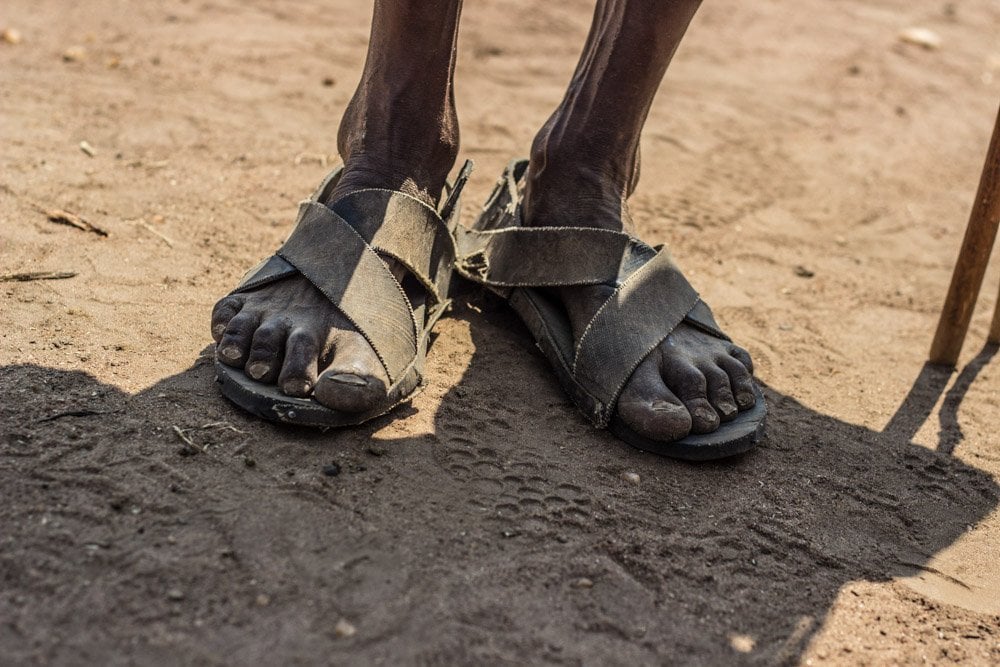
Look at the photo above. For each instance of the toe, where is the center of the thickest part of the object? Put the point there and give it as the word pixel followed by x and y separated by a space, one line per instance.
pixel 267 351
pixel 298 371
pixel 650 409
pixel 222 313
pixel 743 357
pixel 720 393
pixel 690 385
pixel 355 380
pixel 235 342
pixel 740 381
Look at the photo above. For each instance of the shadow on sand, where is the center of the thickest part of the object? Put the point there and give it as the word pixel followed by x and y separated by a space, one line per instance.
pixel 503 531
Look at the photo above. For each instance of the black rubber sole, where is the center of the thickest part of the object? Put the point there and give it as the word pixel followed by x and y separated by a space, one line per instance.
pixel 268 402
pixel 730 439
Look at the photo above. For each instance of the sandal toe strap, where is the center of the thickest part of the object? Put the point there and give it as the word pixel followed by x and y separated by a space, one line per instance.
pixel 646 308
pixel 330 254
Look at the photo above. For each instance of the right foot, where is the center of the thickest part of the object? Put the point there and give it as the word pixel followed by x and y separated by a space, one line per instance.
pixel 289 334
pixel 399 132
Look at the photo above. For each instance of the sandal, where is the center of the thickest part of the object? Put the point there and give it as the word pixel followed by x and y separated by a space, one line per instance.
pixel 337 247
pixel 650 300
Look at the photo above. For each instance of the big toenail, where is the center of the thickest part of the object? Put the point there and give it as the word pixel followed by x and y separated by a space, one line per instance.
pixel 348 378
pixel 662 406
pixel 258 370
pixel 218 330
pixel 232 352
pixel 296 387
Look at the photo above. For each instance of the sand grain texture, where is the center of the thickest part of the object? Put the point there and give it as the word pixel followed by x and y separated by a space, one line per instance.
pixel 488 523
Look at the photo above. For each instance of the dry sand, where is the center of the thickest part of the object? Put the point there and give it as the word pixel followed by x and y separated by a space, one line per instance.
pixel 489 523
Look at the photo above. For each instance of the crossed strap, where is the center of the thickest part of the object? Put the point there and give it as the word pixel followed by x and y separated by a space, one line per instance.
pixel 337 246
pixel 650 299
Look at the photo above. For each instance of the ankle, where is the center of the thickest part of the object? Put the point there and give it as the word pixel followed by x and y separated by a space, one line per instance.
pixel 396 148
pixel 564 187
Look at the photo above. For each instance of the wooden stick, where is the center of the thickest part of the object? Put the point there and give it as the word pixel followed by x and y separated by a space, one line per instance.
pixel 994 336
pixel 972 259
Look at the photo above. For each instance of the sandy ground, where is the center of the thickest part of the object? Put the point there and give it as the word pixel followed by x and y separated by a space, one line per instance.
pixel 489 523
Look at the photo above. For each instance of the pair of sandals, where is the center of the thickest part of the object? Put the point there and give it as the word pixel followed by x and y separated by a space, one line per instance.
pixel 339 247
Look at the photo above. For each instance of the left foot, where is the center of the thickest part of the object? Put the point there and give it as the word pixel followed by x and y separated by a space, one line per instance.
pixel 691 382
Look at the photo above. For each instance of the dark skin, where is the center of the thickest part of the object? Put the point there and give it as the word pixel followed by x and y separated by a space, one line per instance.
pixel 400 131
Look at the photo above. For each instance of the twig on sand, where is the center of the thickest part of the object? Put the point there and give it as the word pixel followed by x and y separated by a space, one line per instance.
pixel 182 434
pixel 151 230
pixel 36 275
pixel 226 425
pixel 62 217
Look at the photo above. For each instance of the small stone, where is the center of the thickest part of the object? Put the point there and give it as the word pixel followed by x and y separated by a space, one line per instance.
pixel 11 36
pixel 249 462
pixel 344 629
pixel 509 532
pixel 583 582
pixel 175 594
pixel 742 643
pixel 74 54
pixel 923 37
pixel 329 81
pixel 376 450
pixel 632 478
pixel 87 149
pixel 263 600
pixel 331 470
pixel 803 272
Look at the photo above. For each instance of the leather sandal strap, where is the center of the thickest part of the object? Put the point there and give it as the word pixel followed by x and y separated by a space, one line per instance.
pixel 549 256
pixel 640 314
pixel 404 228
pixel 336 259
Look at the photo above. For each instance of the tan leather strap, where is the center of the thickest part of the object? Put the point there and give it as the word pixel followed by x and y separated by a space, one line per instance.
pixel 404 228
pixel 634 320
pixel 332 256
pixel 550 256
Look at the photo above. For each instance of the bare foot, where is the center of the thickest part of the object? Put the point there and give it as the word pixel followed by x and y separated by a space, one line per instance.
pixel 692 381
pixel 288 333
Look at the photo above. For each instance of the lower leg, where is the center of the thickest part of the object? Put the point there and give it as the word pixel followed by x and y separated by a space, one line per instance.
pixel 400 130
pixel 590 145
pixel 583 167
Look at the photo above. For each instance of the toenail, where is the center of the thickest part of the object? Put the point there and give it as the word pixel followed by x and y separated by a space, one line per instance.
pixel 296 387
pixel 218 330
pixel 348 378
pixel 662 406
pixel 705 415
pixel 232 352
pixel 726 408
pixel 258 370
pixel 746 398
